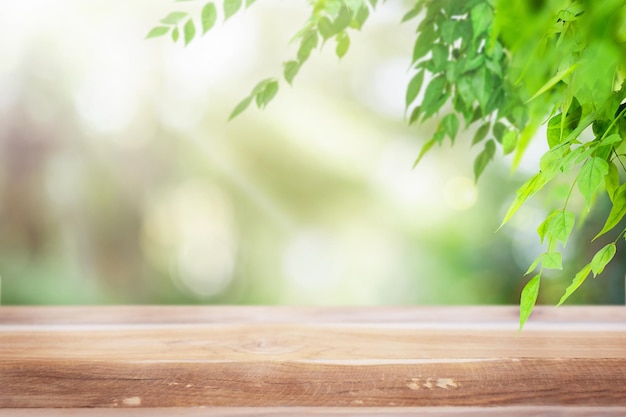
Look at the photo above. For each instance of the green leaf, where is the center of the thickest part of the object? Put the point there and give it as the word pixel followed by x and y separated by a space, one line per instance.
pixel 290 70
pixel 552 161
pixel 542 230
pixel 561 224
pixel 243 104
pixel 552 82
pixel 558 224
pixel 482 18
pixel 481 133
pixel 424 43
pixel 509 142
pixel 617 211
pixel 308 43
pixel 591 176
pixel 603 152
pixel 361 16
pixel 448 31
pixel 611 140
pixel 425 148
pixel 560 128
pixel 552 260
pixel 573 158
pixel 494 66
pixel 526 191
pixel 415 85
pixel 231 7
pixel 343 43
pixel 208 17
pixel 484 158
pixel 461 107
pixel 528 299
pixel 532 267
pixel 411 14
pixel 189 30
pixel 452 71
pixel 450 125
pixel 498 131
pixel 482 86
pixel 600 126
pixel 249 3
pixel 602 258
pixel 439 57
pixel 158 31
pixel 611 180
pixel 175 34
pixel 260 86
pixel 463 30
pixel 269 92
pixel 173 18
pixel 580 277
pixel 439 135
pixel 432 96
pixel 464 89
pixel 259 89
pixel 415 114
pixel 325 27
pixel 303 31
pixel 497 98
pixel 554 133
pixel 343 19
pixel 459 7
pixel 354 4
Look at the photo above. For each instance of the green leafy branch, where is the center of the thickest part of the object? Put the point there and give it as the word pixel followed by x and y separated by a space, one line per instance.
pixel 455 49
pixel 329 20
pixel 477 55
pixel 178 21
pixel 503 68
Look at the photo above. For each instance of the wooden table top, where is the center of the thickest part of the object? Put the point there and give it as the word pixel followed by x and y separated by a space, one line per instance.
pixel 331 361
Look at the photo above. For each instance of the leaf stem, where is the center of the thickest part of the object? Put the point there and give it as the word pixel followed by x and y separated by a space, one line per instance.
pixel 569 194
pixel 617 156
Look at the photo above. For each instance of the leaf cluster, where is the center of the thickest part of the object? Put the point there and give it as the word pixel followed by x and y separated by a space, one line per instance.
pixel 568 63
pixel 329 20
pixel 178 22
pixel 466 66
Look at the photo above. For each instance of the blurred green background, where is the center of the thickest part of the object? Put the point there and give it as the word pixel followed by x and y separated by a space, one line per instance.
pixel 121 181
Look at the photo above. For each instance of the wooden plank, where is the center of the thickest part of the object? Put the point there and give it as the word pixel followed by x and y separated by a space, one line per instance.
pixel 284 356
pixel 473 315
pixel 323 411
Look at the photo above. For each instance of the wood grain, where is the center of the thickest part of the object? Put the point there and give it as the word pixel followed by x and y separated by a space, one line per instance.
pixel 472 315
pixel 514 411
pixel 135 357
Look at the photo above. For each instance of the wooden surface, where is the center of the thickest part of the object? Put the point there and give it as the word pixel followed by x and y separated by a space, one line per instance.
pixel 515 411
pixel 135 357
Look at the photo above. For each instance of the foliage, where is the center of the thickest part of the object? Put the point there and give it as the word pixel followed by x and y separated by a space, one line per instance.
pixel 504 69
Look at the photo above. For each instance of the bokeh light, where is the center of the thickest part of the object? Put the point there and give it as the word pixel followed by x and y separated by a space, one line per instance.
pixel 121 180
